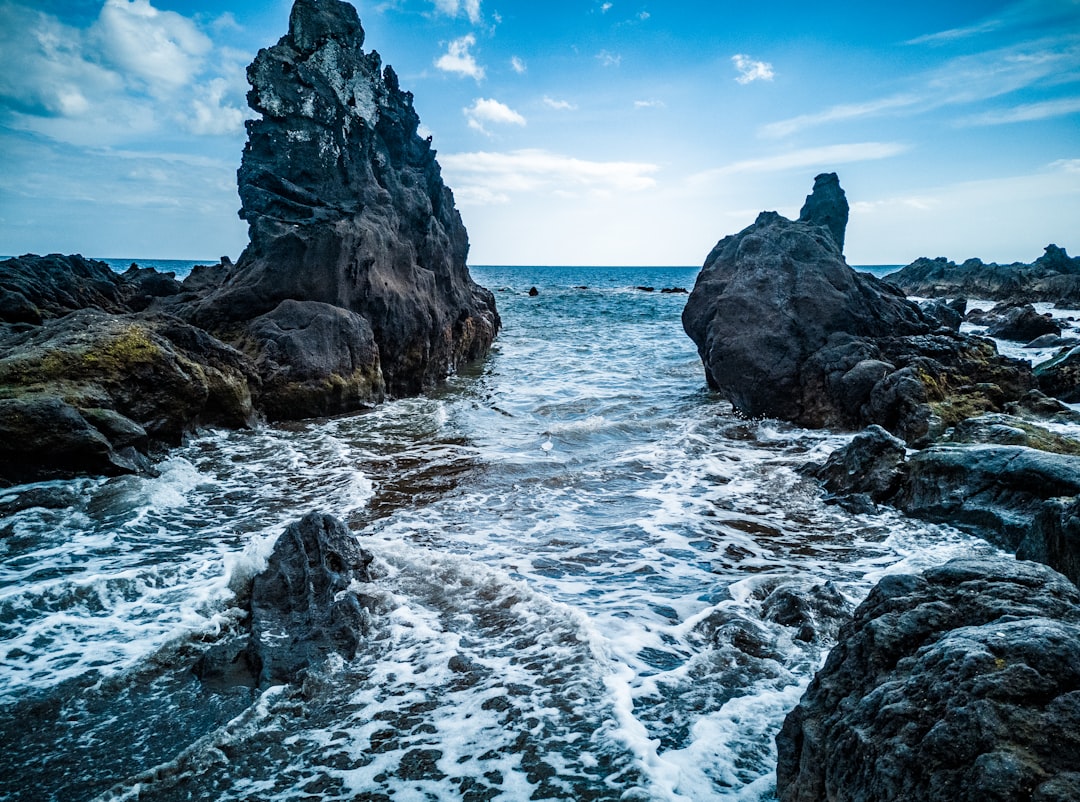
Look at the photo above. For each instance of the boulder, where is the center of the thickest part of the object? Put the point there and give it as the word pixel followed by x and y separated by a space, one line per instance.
pixel 870 465
pixel 35 288
pixel 786 329
pixel 827 206
pixel 1060 376
pixel 302 608
pixel 960 685
pixel 1054 537
pixel 1019 323
pixel 1054 276
pixel 346 208
pixel 116 383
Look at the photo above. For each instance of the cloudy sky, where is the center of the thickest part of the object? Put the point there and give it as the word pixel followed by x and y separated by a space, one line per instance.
pixel 571 131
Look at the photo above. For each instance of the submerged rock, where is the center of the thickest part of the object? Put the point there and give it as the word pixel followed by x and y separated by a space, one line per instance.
pixel 1054 276
pixel 786 329
pixel 347 209
pixel 1060 376
pixel 303 607
pixel 960 685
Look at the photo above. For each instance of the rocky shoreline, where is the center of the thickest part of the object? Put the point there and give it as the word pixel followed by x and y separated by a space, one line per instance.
pixel 353 288
pixel 962 683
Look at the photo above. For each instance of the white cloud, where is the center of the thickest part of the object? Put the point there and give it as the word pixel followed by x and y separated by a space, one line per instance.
pixel 822 157
pixel 454 7
pixel 485 178
pixel 1027 112
pixel 649 104
pixel 606 7
pixel 213 114
pixel 487 110
pixel 751 70
pixel 459 60
pixel 609 59
pixel 559 105
pixel 845 111
pixel 162 48
pixel 643 15
pixel 518 66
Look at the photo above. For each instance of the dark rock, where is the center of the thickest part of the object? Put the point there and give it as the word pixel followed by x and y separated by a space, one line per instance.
pixel 997 490
pixel 675 291
pixel 786 329
pixel 871 464
pixel 960 685
pixel 1054 276
pixel 128 379
pixel 943 314
pixel 146 284
pixel 1060 376
pixel 315 357
pixel 815 612
pixel 346 207
pixel 204 278
pixel 1003 430
pixel 646 289
pixel 1054 538
pixel 533 292
pixel 1022 324
pixel 35 288
pixel 1036 404
pixel 1053 341
pixel 827 206
pixel 303 608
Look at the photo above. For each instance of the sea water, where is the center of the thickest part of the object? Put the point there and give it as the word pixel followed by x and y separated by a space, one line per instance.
pixel 574 540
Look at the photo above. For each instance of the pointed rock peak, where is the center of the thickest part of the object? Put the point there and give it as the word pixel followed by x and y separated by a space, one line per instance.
pixel 312 23
pixel 827 206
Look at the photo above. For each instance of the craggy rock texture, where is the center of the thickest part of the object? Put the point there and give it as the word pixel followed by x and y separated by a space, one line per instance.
pixel 1017 322
pixel 347 209
pixel 303 608
pixel 827 206
pixel 1054 276
pixel 786 329
pixel 960 685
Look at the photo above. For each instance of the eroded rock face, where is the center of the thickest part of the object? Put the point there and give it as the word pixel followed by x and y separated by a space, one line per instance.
pixel 786 329
pixel 827 206
pixel 346 207
pixel 959 685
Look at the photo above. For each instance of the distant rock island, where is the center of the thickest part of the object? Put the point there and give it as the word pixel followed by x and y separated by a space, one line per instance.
pixel 354 286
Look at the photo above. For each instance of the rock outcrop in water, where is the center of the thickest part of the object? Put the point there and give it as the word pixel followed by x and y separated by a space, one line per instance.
pixel 960 685
pixel 786 329
pixel 1054 277
pixel 304 607
pixel 355 241
pixel 353 287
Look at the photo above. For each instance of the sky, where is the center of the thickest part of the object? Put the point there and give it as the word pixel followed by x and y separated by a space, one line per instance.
pixel 572 132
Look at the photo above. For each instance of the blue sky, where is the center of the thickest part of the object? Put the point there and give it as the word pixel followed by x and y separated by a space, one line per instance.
pixel 572 132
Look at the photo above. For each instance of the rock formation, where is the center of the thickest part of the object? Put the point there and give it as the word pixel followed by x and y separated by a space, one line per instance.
pixel 1060 376
pixel 303 607
pixel 348 215
pixel 1054 276
pixel 786 329
pixel 354 285
pixel 960 685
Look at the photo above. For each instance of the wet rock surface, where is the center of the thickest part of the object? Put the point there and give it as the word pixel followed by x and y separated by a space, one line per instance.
pixel 959 684
pixel 786 329
pixel 306 605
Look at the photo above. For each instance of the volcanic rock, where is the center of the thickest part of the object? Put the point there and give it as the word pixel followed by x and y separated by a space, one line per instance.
pixel 303 607
pixel 346 208
pixel 1054 276
pixel 36 288
pixel 960 685
pixel 1016 322
pixel 786 329
pixel 827 206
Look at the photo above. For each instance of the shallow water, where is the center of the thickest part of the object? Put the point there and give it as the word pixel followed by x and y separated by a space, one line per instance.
pixel 577 546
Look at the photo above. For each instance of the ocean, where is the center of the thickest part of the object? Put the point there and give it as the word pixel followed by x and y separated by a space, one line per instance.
pixel 576 543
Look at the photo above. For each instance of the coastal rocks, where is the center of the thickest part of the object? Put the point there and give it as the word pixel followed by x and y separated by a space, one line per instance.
pixel 827 206
pixel 36 288
pixel 786 329
pixel 1060 376
pixel 347 209
pixel 89 391
pixel 868 469
pixel 303 607
pixel 962 684
pixel 1054 276
pixel 1016 322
